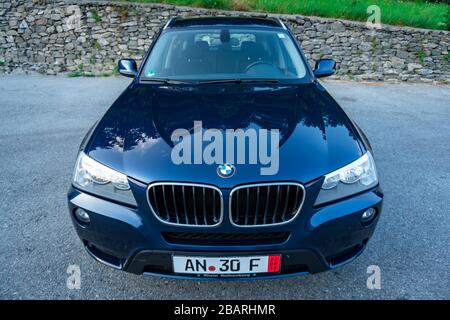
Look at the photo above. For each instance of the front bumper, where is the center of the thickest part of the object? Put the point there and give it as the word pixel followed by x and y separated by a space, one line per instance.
pixel 131 239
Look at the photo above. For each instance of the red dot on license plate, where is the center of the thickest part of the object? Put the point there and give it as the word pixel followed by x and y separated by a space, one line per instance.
pixel 212 268
pixel 274 263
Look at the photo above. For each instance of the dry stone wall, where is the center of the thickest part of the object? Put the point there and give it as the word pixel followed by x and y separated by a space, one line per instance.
pixel 88 37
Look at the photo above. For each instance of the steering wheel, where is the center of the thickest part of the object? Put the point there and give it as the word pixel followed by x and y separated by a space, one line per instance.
pixel 256 63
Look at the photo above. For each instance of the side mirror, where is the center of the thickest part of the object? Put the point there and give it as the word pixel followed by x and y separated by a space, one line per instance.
pixel 127 67
pixel 325 68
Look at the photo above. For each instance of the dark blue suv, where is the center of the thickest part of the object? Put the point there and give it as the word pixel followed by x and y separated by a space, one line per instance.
pixel 225 158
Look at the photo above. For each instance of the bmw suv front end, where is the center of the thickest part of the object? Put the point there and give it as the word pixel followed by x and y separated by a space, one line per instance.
pixel 138 210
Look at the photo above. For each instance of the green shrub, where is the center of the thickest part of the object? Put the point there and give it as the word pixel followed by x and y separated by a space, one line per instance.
pixel 421 56
pixel 95 16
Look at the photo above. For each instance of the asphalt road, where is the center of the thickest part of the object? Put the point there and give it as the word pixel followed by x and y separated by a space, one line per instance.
pixel 43 119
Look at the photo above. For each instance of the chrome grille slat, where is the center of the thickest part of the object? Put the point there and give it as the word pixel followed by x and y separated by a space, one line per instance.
pixel 214 206
pixel 277 203
pixel 266 210
pixel 247 203
pixel 296 196
pixel 205 219
pixel 286 202
pixel 154 195
pixel 184 205
pixel 237 207
pixel 194 204
pixel 173 203
pixel 282 207
pixel 257 206
pixel 165 203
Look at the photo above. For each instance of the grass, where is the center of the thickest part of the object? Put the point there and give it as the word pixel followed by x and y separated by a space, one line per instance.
pixel 75 74
pixel 421 56
pixel 104 74
pixel 96 45
pixel 414 13
pixel 81 73
pixel 95 16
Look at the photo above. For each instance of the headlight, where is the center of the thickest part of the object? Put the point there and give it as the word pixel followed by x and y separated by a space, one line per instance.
pixel 92 176
pixel 355 177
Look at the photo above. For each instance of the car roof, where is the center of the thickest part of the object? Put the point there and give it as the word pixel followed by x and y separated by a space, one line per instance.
pixel 224 21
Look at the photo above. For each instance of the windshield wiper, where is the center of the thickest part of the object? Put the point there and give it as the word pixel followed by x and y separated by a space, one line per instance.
pixel 237 80
pixel 166 81
pixel 247 80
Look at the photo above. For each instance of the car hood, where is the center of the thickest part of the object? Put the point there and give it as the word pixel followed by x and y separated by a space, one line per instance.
pixel 134 136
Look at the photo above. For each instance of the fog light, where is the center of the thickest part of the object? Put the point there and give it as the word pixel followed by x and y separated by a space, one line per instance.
pixel 368 215
pixel 82 216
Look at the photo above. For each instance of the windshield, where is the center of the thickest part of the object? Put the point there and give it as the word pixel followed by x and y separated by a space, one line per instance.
pixel 225 53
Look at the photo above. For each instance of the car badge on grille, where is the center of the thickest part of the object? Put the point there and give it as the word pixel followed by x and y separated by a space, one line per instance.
pixel 226 170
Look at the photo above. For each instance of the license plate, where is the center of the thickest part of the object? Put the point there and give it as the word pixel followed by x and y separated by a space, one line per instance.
pixel 227 265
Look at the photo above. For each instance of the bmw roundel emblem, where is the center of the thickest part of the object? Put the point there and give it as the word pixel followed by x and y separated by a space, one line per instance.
pixel 225 170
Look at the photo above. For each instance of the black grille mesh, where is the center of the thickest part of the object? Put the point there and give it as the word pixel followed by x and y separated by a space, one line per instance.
pixel 226 238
